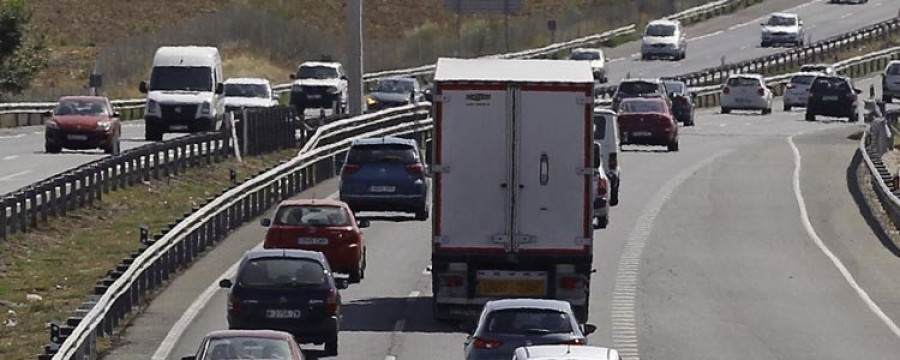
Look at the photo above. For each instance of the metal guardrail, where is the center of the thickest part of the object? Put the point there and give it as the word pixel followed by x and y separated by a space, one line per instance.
pixel 31 114
pixel 184 240
pixel 876 140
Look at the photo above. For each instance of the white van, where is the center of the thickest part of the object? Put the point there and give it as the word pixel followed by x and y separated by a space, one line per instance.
pixel 185 91
pixel 606 132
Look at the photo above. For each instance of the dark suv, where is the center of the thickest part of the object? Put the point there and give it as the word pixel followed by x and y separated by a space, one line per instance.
pixel 682 105
pixel 832 96
pixel 385 174
pixel 630 88
pixel 287 290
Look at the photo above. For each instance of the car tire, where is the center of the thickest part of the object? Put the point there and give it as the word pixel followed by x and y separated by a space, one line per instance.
pixel 853 117
pixel 672 146
pixel 787 107
pixel 52 149
pixel 726 110
pixel 331 346
pixel 767 111
pixel 645 57
pixel 614 197
pixel 602 222
pixel 356 275
pixel 886 99
pixel 764 44
pixel 422 214
pixel 810 116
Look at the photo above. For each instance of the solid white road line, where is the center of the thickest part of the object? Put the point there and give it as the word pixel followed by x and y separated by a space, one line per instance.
pixel 804 216
pixel 10 157
pixel 14 176
pixel 413 294
pixel 624 334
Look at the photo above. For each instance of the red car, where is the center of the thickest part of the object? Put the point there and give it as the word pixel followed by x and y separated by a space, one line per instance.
pixel 80 123
pixel 247 344
pixel 648 121
pixel 321 225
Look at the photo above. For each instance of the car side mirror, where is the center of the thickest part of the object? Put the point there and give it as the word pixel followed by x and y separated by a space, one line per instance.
pixel 225 284
pixel 142 87
pixel 220 88
pixel 265 222
pixel 341 284
pixel 588 329
pixel 344 77
pixel 192 357
pixel 857 91
pixel 363 223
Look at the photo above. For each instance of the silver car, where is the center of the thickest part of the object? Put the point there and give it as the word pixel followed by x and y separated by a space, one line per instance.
pixel 663 38
pixel 505 325
pixel 890 82
pixel 782 28
pixel 797 90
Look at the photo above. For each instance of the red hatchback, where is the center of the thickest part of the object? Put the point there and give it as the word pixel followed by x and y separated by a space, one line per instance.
pixel 648 121
pixel 80 123
pixel 321 225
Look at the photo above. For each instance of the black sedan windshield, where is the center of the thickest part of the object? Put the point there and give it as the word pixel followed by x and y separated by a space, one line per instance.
pixel 181 78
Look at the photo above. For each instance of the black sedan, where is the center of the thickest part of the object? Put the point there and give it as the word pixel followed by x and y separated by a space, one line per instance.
pixel 832 95
pixel 393 92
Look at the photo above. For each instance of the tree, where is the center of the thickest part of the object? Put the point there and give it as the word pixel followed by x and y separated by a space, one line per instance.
pixel 21 52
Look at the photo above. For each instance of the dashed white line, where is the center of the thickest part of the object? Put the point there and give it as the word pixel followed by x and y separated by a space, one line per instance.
pixel 624 292
pixel 390 357
pixel 807 225
pixel 715 33
pixel 846 15
pixel 16 136
pixel 14 176
pixel 10 157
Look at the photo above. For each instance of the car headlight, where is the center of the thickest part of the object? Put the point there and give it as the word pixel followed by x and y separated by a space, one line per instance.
pixel 103 125
pixel 371 101
pixel 205 108
pixel 152 107
pixel 51 124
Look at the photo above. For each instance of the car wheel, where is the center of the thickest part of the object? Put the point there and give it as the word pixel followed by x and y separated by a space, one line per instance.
pixel 787 107
pixel 726 110
pixel 52 149
pixel 422 214
pixel 603 222
pixel 673 145
pixel 764 44
pixel 853 117
pixel 644 57
pixel 810 116
pixel 331 346
pixel 356 275
pixel 614 197
pixel 767 111
pixel 886 99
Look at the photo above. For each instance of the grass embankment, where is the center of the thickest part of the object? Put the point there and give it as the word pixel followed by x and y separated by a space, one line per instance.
pixel 62 261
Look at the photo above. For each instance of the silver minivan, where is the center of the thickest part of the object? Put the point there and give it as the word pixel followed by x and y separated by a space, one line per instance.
pixel 606 132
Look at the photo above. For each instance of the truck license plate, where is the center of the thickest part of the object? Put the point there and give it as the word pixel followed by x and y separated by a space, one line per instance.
pixel 282 314
pixel 312 241
pixel 77 137
pixel 491 287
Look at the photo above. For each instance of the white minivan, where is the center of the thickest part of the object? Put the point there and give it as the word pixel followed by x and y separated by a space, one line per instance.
pixel 606 132
pixel 185 92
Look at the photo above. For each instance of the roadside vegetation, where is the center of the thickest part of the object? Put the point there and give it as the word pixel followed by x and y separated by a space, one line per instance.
pixel 21 49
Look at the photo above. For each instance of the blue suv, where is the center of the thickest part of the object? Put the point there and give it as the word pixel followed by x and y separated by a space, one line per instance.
pixel 385 174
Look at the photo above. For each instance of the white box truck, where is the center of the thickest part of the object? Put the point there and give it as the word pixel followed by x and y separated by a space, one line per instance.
pixel 514 182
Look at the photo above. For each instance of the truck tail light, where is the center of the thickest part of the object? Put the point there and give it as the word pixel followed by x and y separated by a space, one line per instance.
pixel 415 169
pixel 613 160
pixel 726 90
pixel 482 343
pixel 569 282
pixel 452 281
pixel 331 305
pixel 350 169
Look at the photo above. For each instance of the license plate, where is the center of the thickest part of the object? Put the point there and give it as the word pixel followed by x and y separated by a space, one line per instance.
pixel 312 241
pixel 77 137
pixel 382 188
pixel 742 101
pixel 829 98
pixel 178 127
pixel 491 287
pixel 641 133
pixel 282 314
pixel 315 96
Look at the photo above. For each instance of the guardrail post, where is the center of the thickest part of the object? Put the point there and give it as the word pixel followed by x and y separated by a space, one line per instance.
pixel 22 213
pixel 31 193
pixel 80 189
pixel 4 203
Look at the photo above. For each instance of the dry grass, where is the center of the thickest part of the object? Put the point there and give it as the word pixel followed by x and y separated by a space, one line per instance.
pixel 62 261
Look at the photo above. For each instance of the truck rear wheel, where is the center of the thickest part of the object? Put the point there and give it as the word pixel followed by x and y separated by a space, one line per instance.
pixel 152 132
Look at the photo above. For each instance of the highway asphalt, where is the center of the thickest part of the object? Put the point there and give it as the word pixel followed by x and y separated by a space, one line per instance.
pixel 710 241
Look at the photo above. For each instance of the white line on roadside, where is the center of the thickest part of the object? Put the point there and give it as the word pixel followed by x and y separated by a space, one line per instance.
pixel 10 157
pixel 846 15
pixel 807 225
pixel 413 294
pixel 16 136
pixel 714 33
pixel 390 357
pixel 625 289
pixel 14 176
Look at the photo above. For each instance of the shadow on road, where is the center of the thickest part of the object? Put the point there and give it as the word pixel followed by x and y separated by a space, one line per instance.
pixel 391 218
pixel 865 208
pixel 383 315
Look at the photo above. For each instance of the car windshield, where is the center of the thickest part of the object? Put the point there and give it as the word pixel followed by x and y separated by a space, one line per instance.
pixel 641 106
pixel 528 322
pixel 183 78
pixel 675 87
pixel 638 88
pixel 802 79
pixel 830 84
pixel 247 90
pixel 395 86
pixel 584 55
pixel 281 272
pixel 81 107
pixel 312 215
pixel 599 127
pixel 382 153
pixel 317 72
pixel 743 81
pixel 660 30
pixel 894 69
pixel 247 348
pixel 781 21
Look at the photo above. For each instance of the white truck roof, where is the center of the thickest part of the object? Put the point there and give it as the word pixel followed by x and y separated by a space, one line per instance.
pixel 501 70
pixel 186 56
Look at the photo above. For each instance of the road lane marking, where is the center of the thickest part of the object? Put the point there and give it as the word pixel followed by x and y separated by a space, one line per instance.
pixel 846 15
pixel 807 225
pixel 14 176
pixel 10 157
pixel 16 136
pixel 390 357
pixel 701 37
pixel 413 295
pixel 625 290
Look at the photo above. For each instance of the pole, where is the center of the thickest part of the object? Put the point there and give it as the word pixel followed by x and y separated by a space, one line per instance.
pixel 458 28
pixel 506 22
pixel 355 56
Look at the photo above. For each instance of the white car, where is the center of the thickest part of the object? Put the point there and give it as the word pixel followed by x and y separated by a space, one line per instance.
pixel 782 28
pixel 597 61
pixel 568 352
pixel 606 132
pixel 746 92
pixel 246 93
pixel 818 68
pixel 890 82
pixel 320 84
pixel 601 187
pixel 797 90
pixel 664 38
